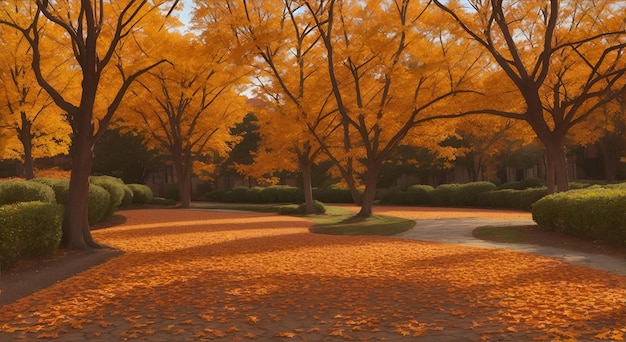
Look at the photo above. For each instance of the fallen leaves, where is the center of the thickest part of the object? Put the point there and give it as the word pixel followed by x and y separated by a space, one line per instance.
pixel 248 276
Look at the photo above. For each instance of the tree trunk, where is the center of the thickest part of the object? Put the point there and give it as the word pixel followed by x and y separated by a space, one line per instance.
pixel 557 178
pixel 369 194
pixel 305 166
pixel 29 163
pixel 183 169
pixel 26 138
pixel 76 230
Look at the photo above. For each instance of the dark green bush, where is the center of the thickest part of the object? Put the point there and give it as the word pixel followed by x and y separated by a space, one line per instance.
pixel 597 213
pixel 393 196
pixel 511 199
pixel 142 194
pixel 467 194
pixel 282 194
pixel 16 191
pixel 29 229
pixel 215 196
pixel 320 208
pixel 526 183
pixel 172 192
pixel 99 204
pixel 253 195
pixel 115 188
pixel 128 197
pixel 162 201
pixel 444 195
pixel 333 195
pixel 235 195
pixel 419 195
pixel 290 209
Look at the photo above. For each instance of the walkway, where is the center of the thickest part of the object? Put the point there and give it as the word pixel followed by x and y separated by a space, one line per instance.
pixel 459 231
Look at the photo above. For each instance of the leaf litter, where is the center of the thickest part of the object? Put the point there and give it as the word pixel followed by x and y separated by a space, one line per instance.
pixel 251 276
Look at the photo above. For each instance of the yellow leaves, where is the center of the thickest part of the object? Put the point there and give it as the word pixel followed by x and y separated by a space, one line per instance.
pixel 285 334
pixel 252 320
pixel 612 335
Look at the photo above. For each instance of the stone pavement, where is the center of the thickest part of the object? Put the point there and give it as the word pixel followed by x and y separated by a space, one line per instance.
pixel 459 231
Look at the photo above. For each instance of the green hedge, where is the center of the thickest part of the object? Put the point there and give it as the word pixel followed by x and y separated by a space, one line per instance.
pixel 596 212
pixel 282 194
pixel 29 229
pixel 99 199
pixel 115 188
pixel 511 199
pixel 419 194
pixel 524 184
pixel 142 194
pixel 128 197
pixel 333 195
pixel 16 191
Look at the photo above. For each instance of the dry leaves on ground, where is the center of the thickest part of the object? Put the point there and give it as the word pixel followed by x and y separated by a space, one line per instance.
pixel 201 275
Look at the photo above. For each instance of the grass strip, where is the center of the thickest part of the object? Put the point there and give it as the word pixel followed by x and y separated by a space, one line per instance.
pixel 499 234
pixel 338 221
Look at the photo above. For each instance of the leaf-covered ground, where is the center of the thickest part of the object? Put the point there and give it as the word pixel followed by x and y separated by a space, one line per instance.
pixel 201 275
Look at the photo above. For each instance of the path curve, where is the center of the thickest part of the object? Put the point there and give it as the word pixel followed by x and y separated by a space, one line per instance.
pixel 455 226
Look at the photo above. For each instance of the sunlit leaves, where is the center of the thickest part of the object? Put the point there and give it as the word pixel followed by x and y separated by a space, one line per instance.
pixel 248 276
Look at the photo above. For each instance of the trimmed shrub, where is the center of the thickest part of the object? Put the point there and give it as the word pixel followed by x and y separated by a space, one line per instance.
pixel 320 208
pixel 162 201
pixel 290 209
pixel 419 194
pixel 526 183
pixel 597 213
pixel 393 196
pixel 115 188
pixel 99 204
pixel 333 195
pixel 253 195
pixel 128 197
pixel 215 196
pixel 467 194
pixel 25 191
pixel 29 229
pixel 235 195
pixel 142 194
pixel 511 199
pixel 443 195
pixel 172 192
pixel 282 194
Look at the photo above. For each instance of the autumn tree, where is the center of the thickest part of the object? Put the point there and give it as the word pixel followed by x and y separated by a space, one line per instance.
pixel 188 107
pixel 96 35
pixel 35 126
pixel 384 61
pixel 565 58
pixel 279 40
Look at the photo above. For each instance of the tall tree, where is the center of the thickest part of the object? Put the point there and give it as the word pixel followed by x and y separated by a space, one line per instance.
pixel 280 41
pixel 389 72
pixel 565 59
pixel 189 107
pixel 37 127
pixel 95 34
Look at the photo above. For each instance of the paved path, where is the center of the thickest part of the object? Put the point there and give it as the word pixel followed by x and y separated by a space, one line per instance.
pixel 459 231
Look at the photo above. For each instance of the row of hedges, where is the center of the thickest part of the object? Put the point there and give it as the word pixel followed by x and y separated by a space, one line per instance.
pixel 515 195
pixel 278 194
pixel 596 212
pixel 31 211
pixel 28 229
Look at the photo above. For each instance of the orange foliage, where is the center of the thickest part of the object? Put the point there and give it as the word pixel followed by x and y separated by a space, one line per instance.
pixel 54 172
pixel 188 275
